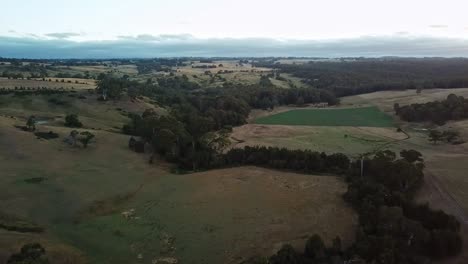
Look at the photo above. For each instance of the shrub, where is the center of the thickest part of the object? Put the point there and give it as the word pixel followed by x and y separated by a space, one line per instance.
pixel 72 121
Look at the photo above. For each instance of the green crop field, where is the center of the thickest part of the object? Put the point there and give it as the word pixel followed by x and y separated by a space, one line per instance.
pixel 365 117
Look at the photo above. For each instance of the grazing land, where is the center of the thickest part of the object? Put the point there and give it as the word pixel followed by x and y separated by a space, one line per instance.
pixel 385 100
pixel 329 139
pixel 80 204
pixel 107 204
pixel 362 117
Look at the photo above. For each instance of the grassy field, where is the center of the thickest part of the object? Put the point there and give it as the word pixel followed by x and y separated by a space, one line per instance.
pixel 210 217
pixel 53 108
pixel 386 99
pixel 330 139
pixel 361 117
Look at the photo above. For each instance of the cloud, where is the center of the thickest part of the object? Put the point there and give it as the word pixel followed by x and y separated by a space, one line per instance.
pixel 402 33
pixel 148 46
pixel 438 26
pixel 63 35
pixel 163 37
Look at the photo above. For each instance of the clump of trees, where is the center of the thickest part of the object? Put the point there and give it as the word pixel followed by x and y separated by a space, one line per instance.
pixel 72 120
pixel 32 253
pixel 185 138
pixel 158 65
pixel 392 228
pixel 84 138
pixel 449 136
pixel 438 112
pixel 315 251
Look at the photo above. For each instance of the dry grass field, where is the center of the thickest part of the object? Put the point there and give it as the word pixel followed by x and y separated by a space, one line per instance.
pixel 245 74
pixel 54 83
pixel 108 115
pixel 385 99
pixel 122 69
pixel 350 140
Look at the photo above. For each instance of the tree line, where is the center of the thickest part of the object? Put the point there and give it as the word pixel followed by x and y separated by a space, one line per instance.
pixel 365 75
pixel 438 112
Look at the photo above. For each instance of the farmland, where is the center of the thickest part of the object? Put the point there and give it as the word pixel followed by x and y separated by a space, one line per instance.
pixel 361 117
pixel 329 139
pixel 80 203
pixel 81 195
pixel 151 213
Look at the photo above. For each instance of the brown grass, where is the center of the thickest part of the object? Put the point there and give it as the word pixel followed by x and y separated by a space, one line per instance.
pixel 385 99
pixel 35 83
pixel 274 207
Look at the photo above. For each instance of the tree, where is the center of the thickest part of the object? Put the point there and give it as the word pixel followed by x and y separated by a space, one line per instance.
pixel 411 155
pixel 286 255
pixel 72 121
pixel 450 135
pixel 435 136
pixel 31 123
pixel 216 141
pixel 197 126
pixel 315 248
pixel 85 138
pixel 73 137
pixel 336 246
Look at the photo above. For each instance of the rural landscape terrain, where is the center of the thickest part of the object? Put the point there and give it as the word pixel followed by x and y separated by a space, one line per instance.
pixel 234 160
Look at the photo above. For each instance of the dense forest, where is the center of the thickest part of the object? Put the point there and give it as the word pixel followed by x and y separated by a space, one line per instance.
pixel 195 128
pixel 364 75
pixel 453 108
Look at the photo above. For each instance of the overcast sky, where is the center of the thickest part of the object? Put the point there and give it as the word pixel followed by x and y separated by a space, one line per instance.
pixel 214 27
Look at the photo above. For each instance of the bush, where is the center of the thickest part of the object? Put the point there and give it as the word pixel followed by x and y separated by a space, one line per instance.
pixel 72 121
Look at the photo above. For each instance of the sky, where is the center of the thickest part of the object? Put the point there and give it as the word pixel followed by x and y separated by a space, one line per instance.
pixel 153 28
